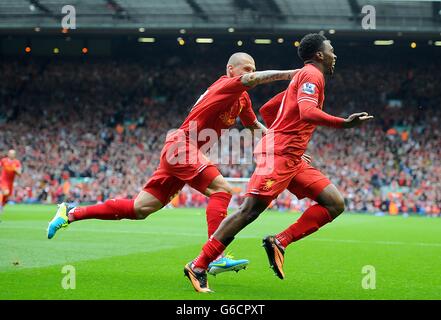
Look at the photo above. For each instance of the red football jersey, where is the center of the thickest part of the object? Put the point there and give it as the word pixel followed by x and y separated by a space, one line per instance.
pixel 8 169
pixel 270 109
pixel 290 132
pixel 217 109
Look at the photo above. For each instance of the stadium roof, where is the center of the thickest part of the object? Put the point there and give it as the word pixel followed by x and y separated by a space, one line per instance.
pixel 219 15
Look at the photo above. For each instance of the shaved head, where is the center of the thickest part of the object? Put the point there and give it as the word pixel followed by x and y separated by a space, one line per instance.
pixel 11 154
pixel 239 64
pixel 239 58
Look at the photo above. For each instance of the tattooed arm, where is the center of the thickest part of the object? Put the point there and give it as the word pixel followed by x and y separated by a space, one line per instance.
pixel 260 77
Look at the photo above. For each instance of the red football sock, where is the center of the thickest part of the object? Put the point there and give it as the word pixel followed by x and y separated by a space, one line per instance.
pixel 113 209
pixel 210 251
pixel 217 210
pixel 310 221
pixel 3 200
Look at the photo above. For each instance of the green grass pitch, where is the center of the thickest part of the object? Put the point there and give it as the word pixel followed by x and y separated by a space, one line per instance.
pixel 145 259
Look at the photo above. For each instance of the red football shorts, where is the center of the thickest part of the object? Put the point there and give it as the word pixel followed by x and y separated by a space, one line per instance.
pixel 6 188
pixel 301 179
pixel 180 165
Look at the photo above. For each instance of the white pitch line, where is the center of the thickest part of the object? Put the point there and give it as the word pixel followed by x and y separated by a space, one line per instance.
pixel 394 243
pixel 188 234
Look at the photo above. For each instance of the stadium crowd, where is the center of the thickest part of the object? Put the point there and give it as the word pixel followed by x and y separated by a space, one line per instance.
pixel 93 129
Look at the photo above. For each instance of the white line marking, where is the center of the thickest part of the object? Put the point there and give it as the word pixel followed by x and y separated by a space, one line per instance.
pixel 203 235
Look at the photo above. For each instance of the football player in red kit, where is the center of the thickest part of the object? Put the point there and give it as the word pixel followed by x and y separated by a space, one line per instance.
pixel 10 168
pixel 280 165
pixel 182 162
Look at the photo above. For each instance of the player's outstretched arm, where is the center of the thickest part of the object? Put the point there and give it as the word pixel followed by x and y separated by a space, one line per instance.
pixel 356 119
pixel 311 114
pixel 260 77
pixel 18 171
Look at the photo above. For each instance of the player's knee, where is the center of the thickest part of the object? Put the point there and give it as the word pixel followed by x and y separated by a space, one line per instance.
pixel 249 212
pixel 247 215
pixel 219 184
pixel 143 210
pixel 222 188
pixel 228 189
pixel 338 206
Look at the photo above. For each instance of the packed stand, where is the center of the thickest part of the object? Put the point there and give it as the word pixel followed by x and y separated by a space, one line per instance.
pixel 87 131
